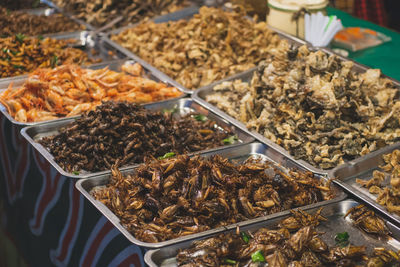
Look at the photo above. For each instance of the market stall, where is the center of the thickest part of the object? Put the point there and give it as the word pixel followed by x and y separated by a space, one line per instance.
pixel 198 136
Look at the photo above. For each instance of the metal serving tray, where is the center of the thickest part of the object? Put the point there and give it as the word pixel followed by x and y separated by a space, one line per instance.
pixel 186 13
pixel 183 106
pixel 67 14
pixel 114 65
pixel 362 168
pixel 358 67
pixel 47 11
pixel 166 257
pixel 86 41
pixel 240 153
pixel 106 26
pixel 200 95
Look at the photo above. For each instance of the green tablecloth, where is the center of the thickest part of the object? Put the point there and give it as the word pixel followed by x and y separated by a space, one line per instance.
pixel 385 57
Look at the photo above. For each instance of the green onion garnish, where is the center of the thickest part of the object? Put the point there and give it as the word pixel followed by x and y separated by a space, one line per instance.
pixel 257 256
pixel 18 67
pixel 245 237
pixel 54 61
pixel 167 155
pixel 229 261
pixel 20 37
pixel 200 117
pixel 170 110
pixel 230 140
pixel 342 239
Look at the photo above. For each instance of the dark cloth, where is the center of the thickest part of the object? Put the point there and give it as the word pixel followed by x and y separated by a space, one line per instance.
pixel 371 10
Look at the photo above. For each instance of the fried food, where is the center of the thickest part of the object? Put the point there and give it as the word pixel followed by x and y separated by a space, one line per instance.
pixel 388 193
pixel 20 54
pixel 14 22
pixel 166 199
pixel 21 4
pixel 366 220
pixel 70 90
pixel 99 12
pixel 208 47
pixel 315 106
pixel 122 133
pixel 282 247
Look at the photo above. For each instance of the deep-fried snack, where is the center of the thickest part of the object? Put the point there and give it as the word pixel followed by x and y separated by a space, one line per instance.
pixel 124 134
pixel 315 106
pixel 100 12
pixel 282 247
pixel 385 183
pixel 208 47
pixel 20 54
pixel 14 22
pixel 180 196
pixel 69 90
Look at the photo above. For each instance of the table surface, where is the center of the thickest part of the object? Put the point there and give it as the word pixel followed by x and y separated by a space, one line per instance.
pixel 385 57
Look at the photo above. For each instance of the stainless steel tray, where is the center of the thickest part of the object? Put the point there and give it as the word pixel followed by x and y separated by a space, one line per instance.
pixel 112 65
pixel 183 105
pixel 103 28
pixel 47 11
pixel 200 95
pixel 239 153
pixel 166 257
pixel 86 41
pixel 67 14
pixel 186 13
pixel 358 67
pixel 362 168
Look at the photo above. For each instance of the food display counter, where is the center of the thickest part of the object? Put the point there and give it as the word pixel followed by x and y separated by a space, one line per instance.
pixel 181 134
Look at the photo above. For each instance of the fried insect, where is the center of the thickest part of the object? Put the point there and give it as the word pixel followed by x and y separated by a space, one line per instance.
pixel 208 47
pixel 300 219
pixel 314 105
pixel 21 4
pixel 19 22
pixel 70 90
pixel 182 196
pixel 368 221
pixel 388 193
pixel 122 133
pixel 98 13
pixel 279 247
pixel 20 54
pixel 383 257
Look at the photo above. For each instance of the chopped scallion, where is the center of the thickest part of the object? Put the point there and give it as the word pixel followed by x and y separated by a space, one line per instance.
pixel 167 155
pixel 257 256
pixel 245 237
pixel 230 140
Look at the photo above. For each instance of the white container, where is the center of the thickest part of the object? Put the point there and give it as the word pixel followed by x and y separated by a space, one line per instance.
pixel 281 13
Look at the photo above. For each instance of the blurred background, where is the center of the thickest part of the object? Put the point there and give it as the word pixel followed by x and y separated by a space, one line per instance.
pixel 382 12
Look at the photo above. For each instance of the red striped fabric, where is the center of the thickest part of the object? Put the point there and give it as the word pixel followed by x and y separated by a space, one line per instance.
pixel 372 10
